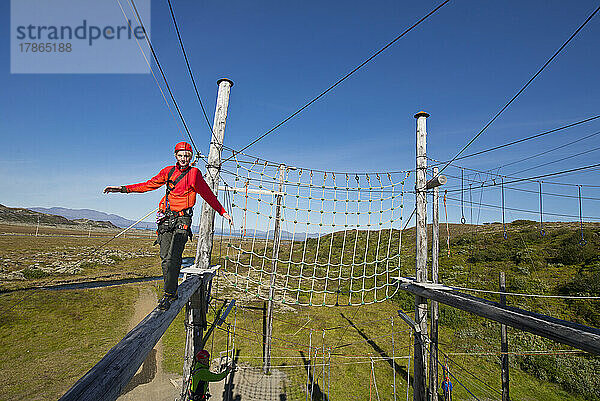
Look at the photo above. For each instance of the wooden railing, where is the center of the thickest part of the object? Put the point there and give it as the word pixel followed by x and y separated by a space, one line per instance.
pixel 107 379
pixel 574 334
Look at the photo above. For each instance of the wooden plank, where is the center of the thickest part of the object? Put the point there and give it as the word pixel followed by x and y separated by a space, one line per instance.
pixel 573 334
pixel 108 378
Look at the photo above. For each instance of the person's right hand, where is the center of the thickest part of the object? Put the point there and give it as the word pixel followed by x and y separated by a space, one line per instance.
pixel 110 189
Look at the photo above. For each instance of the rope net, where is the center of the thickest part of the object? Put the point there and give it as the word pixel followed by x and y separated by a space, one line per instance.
pixel 311 237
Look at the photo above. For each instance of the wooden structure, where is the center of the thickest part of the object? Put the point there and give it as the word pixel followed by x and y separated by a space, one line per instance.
pixel 573 334
pixel 435 253
pixel 108 378
pixel 420 364
pixel 197 307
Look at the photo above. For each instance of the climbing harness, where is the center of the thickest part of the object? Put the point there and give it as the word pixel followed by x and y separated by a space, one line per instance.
pixel 504 233
pixel 462 192
pixel 173 183
pixel 582 241
pixel 542 231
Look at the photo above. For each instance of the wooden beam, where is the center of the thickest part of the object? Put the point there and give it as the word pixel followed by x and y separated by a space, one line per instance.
pixel 573 334
pixel 108 378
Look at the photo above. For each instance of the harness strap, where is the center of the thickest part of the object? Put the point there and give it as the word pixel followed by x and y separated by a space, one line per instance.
pixel 173 183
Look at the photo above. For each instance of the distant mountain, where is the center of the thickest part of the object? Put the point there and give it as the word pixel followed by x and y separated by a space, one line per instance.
pixel 89 214
pixel 21 215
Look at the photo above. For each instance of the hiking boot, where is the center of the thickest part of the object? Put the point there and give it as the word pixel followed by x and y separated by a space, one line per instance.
pixel 165 302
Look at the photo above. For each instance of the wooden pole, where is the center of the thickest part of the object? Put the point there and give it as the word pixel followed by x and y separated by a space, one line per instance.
pixel 275 255
pixel 195 311
pixel 435 252
pixel 420 364
pixel 504 344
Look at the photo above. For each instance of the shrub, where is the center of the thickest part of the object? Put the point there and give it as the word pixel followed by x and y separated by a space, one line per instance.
pixel 32 273
pixel 451 317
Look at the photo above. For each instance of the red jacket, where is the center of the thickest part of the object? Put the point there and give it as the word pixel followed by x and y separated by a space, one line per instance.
pixel 183 196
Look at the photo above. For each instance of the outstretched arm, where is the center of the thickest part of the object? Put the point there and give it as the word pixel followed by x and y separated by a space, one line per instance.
pixel 153 183
pixel 110 189
pixel 208 376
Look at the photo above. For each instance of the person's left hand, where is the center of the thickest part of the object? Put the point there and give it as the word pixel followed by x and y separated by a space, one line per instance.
pixel 228 217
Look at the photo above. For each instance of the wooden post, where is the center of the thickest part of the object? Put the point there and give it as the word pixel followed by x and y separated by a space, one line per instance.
pixel 435 252
pixel 420 364
pixel 504 344
pixel 195 311
pixel 275 255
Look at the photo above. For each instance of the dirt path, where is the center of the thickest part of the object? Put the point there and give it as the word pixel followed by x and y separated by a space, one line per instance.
pixel 150 383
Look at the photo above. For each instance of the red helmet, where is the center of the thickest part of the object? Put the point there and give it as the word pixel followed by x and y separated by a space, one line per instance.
pixel 203 356
pixel 183 146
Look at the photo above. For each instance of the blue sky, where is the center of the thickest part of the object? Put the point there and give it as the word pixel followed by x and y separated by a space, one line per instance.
pixel 66 136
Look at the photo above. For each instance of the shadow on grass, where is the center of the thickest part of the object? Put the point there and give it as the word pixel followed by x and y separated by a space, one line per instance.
pixel 401 370
pixel 312 384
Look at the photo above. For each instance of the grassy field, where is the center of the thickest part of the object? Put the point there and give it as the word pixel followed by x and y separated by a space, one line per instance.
pixel 53 337
pixel 41 359
pixel 61 256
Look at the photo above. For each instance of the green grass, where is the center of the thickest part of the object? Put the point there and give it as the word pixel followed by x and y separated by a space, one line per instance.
pixel 551 264
pixel 362 332
pixel 51 338
pixel 25 253
pixel 90 322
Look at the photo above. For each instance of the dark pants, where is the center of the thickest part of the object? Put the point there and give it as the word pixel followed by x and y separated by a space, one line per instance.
pixel 172 243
